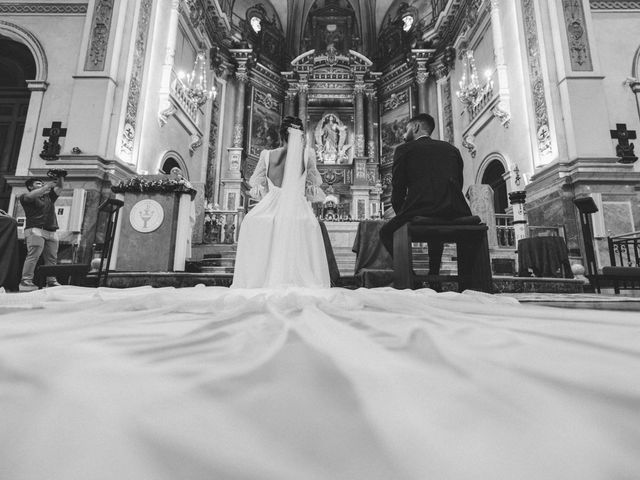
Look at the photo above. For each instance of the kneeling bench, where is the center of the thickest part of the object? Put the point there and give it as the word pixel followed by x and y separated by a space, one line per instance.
pixel 470 237
pixel 627 278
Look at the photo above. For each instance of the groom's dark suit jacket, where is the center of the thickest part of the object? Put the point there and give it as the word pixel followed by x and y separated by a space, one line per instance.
pixel 427 181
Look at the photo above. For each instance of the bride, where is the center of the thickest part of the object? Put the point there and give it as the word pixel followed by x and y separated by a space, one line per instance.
pixel 280 242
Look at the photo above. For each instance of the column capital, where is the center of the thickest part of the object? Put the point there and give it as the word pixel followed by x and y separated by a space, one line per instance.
pixel 242 57
pixel 242 74
pixel 516 197
pixel 422 76
pixel 291 93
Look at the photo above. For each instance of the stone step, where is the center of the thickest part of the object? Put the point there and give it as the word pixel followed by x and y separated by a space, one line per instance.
pixel 216 269
pixel 220 262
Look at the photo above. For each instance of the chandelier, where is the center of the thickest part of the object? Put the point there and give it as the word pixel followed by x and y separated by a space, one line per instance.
pixel 471 91
pixel 195 85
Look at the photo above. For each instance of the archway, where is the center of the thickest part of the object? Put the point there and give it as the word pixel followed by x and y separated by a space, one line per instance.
pixel 493 176
pixel 17 65
pixel 171 160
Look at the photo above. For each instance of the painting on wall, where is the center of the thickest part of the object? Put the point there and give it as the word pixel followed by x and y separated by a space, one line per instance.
pixel 396 112
pixel 265 122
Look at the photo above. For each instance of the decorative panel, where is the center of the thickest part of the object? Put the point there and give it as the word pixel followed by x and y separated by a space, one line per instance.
pixel 395 113
pixel 264 122
pixel 615 4
pixel 44 8
pixel 99 41
pixel 447 112
pixel 135 84
pixel 576 28
pixel 212 151
pixel 536 78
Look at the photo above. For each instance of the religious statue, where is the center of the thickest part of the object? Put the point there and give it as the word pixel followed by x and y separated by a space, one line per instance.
pixel 331 140
pixel 229 233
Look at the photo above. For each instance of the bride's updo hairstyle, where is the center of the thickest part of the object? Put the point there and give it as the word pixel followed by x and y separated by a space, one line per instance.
pixel 287 123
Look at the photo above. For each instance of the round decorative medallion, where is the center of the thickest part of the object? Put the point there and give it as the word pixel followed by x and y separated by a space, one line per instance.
pixel 146 216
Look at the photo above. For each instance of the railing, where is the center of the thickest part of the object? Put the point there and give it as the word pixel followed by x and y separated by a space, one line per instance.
pixel 505 232
pixel 477 107
pixel 624 250
pixel 221 226
pixel 189 107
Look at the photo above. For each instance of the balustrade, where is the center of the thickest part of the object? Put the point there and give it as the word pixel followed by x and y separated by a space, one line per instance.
pixel 178 93
pixel 221 226
pixel 505 231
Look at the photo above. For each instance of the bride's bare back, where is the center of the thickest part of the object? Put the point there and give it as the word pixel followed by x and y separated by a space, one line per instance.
pixel 277 160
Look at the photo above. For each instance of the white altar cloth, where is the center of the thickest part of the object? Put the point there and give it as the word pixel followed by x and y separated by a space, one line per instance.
pixel 213 383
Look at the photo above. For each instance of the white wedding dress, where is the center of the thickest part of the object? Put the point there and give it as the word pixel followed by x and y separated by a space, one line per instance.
pixel 280 242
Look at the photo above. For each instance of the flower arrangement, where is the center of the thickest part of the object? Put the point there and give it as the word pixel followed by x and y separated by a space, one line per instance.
pixel 164 185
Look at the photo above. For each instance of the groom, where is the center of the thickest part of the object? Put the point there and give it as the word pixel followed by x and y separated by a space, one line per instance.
pixel 427 181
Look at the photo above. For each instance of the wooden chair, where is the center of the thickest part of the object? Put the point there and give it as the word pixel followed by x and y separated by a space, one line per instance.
pixel 470 237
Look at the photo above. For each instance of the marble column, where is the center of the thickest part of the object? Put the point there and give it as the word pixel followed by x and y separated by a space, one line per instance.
pixel 166 108
pixel 303 90
pixel 372 126
pixel 482 205
pixel 290 101
pixel 232 178
pixel 238 118
pixel 421 57
pixel 517 200
pixel 358 91
pixel 503 109
pixel 423 94
pixel 31 139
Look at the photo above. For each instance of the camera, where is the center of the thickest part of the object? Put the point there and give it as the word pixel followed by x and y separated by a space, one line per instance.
pixel 56 173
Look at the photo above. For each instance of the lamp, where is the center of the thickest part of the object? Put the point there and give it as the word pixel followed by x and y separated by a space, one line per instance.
pixel 195 85
pixel 471 91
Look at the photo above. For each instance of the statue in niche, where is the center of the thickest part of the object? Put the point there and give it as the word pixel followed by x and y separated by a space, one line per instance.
pixel 331 141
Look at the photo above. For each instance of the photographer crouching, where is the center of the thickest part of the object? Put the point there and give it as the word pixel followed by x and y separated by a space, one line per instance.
pixel 41 225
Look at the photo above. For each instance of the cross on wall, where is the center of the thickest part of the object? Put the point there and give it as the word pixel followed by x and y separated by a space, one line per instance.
pixel 51 147
pixel 624 149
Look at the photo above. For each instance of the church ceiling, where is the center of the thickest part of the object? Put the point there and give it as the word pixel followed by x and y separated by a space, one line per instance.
pixel 434 23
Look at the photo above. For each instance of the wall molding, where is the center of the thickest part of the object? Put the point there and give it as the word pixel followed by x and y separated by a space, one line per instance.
pixel 43 8
pixel 615 4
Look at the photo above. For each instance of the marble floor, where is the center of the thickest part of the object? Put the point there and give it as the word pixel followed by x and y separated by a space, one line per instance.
pixel 626 301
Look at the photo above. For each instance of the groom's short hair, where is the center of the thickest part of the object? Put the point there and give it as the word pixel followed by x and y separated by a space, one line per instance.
pixel 426 122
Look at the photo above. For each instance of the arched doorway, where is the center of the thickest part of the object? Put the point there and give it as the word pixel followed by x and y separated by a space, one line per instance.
pixel 493 176
pixel 17 65
pixel 170 163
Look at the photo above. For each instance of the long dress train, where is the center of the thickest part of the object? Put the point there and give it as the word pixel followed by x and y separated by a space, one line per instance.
pixel 280 242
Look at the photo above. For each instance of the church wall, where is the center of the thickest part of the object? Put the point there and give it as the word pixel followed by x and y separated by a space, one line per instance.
pixel 618 40
pixel 156 140
pixel 485 132
pixel 61 47
pixel 586 99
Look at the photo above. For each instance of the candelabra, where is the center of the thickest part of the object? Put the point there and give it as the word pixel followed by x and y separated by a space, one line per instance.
pixel 195 85
pixel 471 91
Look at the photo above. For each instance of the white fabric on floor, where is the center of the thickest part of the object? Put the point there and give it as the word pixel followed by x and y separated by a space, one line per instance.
pixel 213 383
